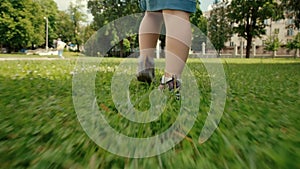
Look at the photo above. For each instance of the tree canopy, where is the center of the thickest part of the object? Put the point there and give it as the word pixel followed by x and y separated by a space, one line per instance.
pixel 219 27
pixel 77 16
pixel 248 18
pixel 23 23
pixel 293 8
pixel 20 24
pixel 105 11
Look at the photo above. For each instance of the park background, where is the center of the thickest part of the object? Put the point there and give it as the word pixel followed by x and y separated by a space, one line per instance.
pixel 38 123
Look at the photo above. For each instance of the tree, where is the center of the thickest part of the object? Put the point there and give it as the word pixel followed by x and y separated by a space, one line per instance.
pixel 64 26
pixel 295 44
pixel 293 9
pixel 272 44
pixel 20 24
pixel 219 27
pixel 198 20
pixel 106 11
pixel 50 10
pixel 77 17
pixel 249 15
pixel 88 31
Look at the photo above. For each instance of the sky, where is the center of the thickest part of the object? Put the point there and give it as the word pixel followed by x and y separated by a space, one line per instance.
pixel 205 3
pixel 63 4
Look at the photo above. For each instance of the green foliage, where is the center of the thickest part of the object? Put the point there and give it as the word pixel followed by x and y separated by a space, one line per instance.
pixel 22 23
pixel 248 17
pixel 272 43
pixel 295 44
pixel 65 27
pixel 16 28
pixel 50 10
pixel 126 45
pixel 199 20
pixel 259 127
pixel 293 9
pixel 88 31
pixel 105 12
pixel 219 27
pixel 77 16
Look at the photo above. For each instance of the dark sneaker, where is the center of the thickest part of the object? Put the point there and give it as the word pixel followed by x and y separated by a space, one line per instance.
pixel 173 84
pixel 146 69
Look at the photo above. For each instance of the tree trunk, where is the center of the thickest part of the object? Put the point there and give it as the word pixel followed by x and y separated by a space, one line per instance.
pixel 121 49
pixel 274 54
pixel 249 37
pixel 78 47
pixel 8 49
pixel 248 47
pixel 296 53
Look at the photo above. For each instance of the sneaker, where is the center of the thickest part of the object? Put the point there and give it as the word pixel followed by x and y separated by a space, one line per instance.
pixel 172 83
pixel 146 69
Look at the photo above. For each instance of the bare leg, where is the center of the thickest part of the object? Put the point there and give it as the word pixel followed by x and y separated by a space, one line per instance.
pixel 178 41
pixel 148 35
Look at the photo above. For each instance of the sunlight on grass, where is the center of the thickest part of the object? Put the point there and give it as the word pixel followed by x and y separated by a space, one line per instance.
pixel 23 55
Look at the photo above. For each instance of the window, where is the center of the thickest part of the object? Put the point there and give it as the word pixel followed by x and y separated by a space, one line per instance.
pixel 216 1
pixel 290 22
pixel 276 31
pixel 289 40
pixel 231 43
pixel 266 22
pixel 290 32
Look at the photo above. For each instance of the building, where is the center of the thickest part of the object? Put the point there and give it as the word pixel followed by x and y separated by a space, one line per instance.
pixel 283 29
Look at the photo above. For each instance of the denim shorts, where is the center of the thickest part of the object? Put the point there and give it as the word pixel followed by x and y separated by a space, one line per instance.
pixel 157 5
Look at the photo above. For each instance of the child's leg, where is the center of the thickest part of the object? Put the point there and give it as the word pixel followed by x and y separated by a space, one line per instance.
pixel 178 41
pixel 148 35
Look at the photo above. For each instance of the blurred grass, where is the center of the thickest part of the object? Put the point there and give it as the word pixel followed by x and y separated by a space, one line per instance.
pixel 259 128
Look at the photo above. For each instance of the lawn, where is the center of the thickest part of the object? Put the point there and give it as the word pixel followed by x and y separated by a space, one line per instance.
pixel 259 127
pixel 23 55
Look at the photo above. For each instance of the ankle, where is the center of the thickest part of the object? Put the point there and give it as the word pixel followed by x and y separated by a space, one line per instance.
pixel 175 76
pixel 165 79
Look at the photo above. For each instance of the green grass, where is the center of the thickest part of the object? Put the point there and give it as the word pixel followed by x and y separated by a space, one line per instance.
pixel 22 55
pixel 259 127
